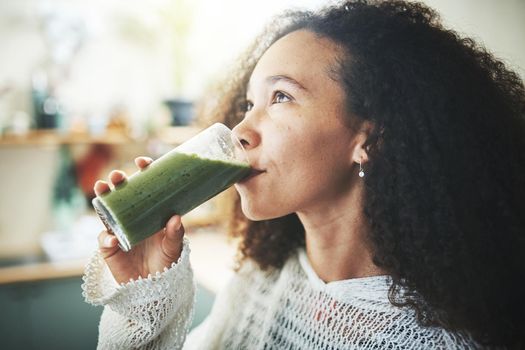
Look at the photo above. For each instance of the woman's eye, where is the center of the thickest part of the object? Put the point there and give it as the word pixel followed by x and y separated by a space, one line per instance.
pixel 249 106
pixel 280 97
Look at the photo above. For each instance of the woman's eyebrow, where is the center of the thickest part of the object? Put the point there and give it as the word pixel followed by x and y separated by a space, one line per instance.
pixel 273 79
pixel 276 78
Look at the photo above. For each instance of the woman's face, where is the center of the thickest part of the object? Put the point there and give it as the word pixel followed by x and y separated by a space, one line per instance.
pixel 294 130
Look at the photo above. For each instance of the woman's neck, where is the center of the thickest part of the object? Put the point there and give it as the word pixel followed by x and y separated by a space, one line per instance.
pixel 336 243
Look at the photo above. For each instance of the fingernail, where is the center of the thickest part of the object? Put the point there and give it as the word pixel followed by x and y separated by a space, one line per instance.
pixel 107 241
pixel 97 184
pixel 178 221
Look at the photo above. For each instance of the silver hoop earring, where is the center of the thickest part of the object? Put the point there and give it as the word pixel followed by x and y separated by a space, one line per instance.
pixel 361 171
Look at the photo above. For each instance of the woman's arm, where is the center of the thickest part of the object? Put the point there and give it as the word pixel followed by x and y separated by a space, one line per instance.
pixel 148 313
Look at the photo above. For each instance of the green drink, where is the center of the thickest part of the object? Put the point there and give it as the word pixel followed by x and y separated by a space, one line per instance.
pixel 175 183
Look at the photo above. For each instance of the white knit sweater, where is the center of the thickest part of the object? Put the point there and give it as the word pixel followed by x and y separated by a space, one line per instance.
pixel 290 308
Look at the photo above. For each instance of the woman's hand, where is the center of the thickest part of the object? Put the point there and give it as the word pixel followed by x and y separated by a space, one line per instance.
pixel 149 256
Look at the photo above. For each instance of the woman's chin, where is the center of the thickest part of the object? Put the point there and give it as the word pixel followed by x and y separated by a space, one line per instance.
pixel 254 216
pixel 257 214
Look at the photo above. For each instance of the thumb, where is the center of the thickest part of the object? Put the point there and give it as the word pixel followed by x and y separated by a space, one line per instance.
pixel 108 244
pixel 172 241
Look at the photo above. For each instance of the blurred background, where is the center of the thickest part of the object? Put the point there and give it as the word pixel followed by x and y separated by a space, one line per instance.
pixel 85 87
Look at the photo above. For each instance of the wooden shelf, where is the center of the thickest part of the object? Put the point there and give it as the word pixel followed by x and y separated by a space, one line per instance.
pixel 42 271
pixel 212 258
pixel 53 137
pixel 170 135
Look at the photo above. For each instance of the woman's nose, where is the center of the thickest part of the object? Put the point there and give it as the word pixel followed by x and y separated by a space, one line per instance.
pixel 247 134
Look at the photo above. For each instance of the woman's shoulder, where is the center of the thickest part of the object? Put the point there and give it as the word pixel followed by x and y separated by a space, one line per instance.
pixel 249 270
pixel 404 328
pixel 259 279
pixel 366 300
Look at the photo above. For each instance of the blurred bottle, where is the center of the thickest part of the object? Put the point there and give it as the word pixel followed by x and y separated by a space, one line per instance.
pixel 47 109
pixel 68 199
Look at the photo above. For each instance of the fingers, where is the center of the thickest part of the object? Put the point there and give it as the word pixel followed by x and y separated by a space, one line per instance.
pixel 108 244
pixel 101 187
pixel 172 242
pixel 115 177
pixel 143 162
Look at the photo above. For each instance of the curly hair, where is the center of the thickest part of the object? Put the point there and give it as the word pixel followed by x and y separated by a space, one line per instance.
pixel 445 188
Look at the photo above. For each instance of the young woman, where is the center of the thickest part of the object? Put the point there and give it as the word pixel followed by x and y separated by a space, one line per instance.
pixel 386 206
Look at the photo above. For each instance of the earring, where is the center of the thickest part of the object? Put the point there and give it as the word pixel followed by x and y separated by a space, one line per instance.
pixel 361 171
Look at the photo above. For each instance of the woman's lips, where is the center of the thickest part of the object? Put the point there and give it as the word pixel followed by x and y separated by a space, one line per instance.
pixel 252 174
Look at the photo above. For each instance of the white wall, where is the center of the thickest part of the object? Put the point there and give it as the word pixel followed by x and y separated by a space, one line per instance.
pixel 498 24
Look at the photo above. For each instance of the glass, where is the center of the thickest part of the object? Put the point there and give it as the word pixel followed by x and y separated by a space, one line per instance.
pixel 176 183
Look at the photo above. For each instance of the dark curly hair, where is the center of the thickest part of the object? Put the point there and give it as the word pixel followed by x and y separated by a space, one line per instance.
pixel 445 188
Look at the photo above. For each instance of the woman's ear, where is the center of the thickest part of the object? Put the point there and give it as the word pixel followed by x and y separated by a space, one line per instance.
pixel 359 153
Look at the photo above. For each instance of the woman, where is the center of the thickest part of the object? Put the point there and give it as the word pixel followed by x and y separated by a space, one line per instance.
pixel 386 207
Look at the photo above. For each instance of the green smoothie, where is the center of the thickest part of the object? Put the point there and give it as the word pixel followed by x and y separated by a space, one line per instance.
pixel 174 184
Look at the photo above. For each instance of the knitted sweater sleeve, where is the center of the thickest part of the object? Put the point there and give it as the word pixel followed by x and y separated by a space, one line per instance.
pixel 148 313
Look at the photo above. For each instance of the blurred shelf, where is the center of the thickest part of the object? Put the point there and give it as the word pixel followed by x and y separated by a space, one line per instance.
pixel 212 258
pixel 54 137
pixel 42 271
pixel 170 135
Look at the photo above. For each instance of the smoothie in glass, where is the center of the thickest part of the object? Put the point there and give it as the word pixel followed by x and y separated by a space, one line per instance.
pixel 175 183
